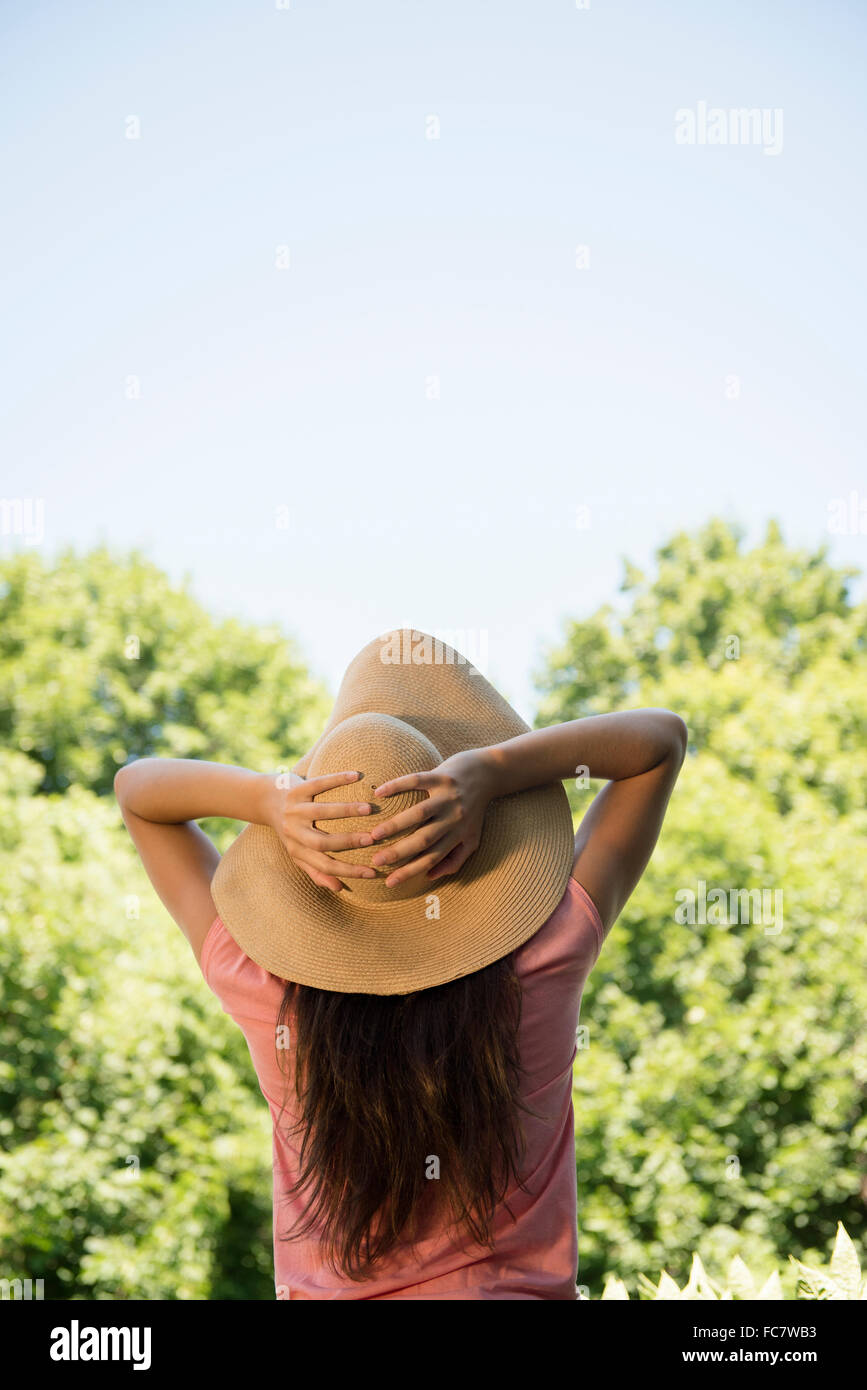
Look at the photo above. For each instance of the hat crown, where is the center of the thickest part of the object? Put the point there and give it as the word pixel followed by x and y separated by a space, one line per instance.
pixel 382 748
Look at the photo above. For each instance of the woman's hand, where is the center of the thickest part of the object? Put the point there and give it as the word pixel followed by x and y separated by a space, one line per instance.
pixel 442 832
pixel 290 811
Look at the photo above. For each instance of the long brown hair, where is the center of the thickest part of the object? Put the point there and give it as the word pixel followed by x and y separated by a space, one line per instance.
pixel 385 1084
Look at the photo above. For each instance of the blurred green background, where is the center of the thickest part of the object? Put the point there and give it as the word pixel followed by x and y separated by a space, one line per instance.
pixel 720 1099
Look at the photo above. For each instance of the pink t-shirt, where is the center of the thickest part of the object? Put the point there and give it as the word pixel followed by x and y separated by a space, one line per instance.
pixel 535 1256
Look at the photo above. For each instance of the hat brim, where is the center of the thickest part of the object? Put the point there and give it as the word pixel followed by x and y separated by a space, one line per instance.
pixel 499 898
pixel 504 892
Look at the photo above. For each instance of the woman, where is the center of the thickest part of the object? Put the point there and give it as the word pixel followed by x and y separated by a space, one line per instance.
pixel 407 967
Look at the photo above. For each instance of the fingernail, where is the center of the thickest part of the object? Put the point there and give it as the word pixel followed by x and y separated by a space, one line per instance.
pixel 366 840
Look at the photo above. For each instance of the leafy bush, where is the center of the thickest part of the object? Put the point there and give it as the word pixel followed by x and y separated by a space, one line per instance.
pixel 841 1280
pixel 720 1102
pixel 134 1144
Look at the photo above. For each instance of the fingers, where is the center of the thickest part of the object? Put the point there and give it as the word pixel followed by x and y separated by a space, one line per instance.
pixel 452 862
pixel 316 785
pixel 332 844
pixel 407 820
pixel 442 857
pixel 333 810
pixel 322 841
pixel 323 880
pixel 316 859
pixel 413 845
pixel 413 782
pixel 426 861
pixel 430 836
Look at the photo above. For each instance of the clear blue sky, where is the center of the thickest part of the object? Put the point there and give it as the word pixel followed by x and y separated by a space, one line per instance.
pixel 413 258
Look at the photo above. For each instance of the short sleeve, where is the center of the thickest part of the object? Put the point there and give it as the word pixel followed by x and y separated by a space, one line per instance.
pixel 592 912
pixel 252 998
pixel 245 989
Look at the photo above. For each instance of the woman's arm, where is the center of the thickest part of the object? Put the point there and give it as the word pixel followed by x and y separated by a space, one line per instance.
pixel 161 798
pixel 611 746
pixel 170 791
pixel 638 752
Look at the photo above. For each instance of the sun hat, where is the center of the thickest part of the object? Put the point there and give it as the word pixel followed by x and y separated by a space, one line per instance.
pixel 407 702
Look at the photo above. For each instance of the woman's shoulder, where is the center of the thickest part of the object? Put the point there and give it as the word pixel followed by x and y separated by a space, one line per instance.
pixel 243 987
pixel 589 908
pixel 571 938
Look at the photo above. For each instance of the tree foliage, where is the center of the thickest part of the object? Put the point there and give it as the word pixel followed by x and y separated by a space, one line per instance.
pixel 104 661
pixel 720 1103
pixel 134 1147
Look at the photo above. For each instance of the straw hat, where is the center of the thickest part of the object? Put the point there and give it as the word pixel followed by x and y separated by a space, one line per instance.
pixel 406 703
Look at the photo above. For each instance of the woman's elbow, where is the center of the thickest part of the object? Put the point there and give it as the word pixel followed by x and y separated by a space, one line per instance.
pixel 679 733
pixel 125 779
pixel 121 784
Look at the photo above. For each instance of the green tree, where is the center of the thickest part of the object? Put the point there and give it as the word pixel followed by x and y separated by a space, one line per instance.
pixel 103 660
pixel 134 1145
pixel 720 1103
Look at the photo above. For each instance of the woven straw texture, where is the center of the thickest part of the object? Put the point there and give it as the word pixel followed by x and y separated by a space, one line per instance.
pixel 405 704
